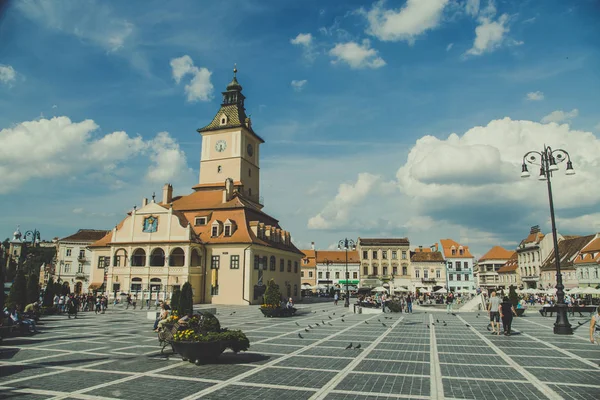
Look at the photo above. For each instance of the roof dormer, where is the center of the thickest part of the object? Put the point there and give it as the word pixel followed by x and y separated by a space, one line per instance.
pixel 229 227
pixel 216 228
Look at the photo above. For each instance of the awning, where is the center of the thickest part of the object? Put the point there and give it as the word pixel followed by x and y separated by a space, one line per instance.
pixel 95 286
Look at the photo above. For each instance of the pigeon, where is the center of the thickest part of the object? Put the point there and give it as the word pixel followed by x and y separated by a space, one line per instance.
pixel 454 314
pixel 314 312
pixel 300 336
pixel 333 313
pixel 358 346
pixel 323 322
pixel 580 323
pixel 349 346
pixel 317 324
pixel 467 325
pixel 445 324
pixel 330 317
pixel 383 324
pixel 230 314
pixel 343 320
pixel 310 327
pixel 330 323
pixel 443 321
pixel 378 320
pixel 432 323
pixel 427 326
pixel 366 323
pixel 297 324
pixel 437 320
pixel 323 310
pixel 477 316
pixel 305 330
pixel 343 315
pixel 233 312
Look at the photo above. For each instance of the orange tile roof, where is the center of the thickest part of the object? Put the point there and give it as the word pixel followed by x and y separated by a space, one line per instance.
pixel 422 250
pixel 534 237
pixel 497 253
pixel 511 265
pixel 447 245
pixel 423 256
pixel 337 256
pixel 568 249
pixel 85 235
pixel 586 255
pixel 311 257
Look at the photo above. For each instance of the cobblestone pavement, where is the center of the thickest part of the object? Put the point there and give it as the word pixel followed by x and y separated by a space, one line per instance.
pixel 418 356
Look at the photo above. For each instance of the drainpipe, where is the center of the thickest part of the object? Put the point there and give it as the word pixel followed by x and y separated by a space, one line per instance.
pixel 244 276
pixel 203 300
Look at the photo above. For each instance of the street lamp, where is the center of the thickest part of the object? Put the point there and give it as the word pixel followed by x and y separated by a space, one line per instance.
pixel 548 159
pixel 327 264
pixel 34 237
pixel 347 244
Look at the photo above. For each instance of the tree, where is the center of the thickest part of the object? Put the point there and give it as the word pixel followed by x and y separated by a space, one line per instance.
pixel 18 291
pixel 33 288
pixel 331 291
pixel 175 299
pixel 49 293
pixel 186 300
pixel 512 295
pixel 2 263
pixel 272 295
pixel 11 271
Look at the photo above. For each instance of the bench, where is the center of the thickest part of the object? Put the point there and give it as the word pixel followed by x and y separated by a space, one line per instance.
pixel 570 310
pixel 165 337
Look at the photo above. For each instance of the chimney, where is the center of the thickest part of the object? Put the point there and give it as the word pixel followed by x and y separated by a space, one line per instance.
pixel 144 202
pixel 312 245
pixel 421 249
pixel 535 229
pixel 228 192
pixel 167 193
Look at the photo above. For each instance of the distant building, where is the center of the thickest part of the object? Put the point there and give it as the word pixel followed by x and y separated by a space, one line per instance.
pixel 488 266
pixel 531 253
pixel 308 269
pixel 384 262
pixel 331 269
pixel 429 270
pixel 568 249
pixel 587 264
pixel 459 265
pixel 509 274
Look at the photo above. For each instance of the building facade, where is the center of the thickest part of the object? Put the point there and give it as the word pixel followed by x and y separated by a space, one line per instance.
pixel 384 262
pixel 568 248
pixel 459 266
pixel 429 270
pixel 488 266
pixel 587 264
pixel 509 274
pixel 331 269
pixel 531 253
pixel 73 259
pixel 308 268
pixel 218 238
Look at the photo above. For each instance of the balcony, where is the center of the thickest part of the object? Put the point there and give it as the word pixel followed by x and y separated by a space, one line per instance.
pixel 81 259
pixel 80 275
pixel 530 278
pixel 428 280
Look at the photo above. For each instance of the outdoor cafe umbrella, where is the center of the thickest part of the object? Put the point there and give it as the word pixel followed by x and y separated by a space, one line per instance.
pixel 589 290
pixel 379 289
pixel 441 291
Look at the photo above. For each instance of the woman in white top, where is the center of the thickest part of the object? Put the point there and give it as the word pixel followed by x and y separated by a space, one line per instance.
pixel 595 327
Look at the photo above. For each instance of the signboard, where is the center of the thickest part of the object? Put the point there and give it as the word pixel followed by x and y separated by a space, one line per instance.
pixel 350 282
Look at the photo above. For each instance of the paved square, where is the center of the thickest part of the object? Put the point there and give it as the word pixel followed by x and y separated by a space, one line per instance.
pixel 116 356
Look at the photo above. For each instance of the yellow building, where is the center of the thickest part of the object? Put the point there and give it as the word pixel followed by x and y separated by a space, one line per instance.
pixel 217 238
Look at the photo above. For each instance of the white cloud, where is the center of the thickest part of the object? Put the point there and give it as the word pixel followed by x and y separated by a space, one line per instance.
pixel 356 55
pixel 472 7
pixel 78 210
pixel 200 86
pixel 7 74
pixel 597 127
pixel 535 96
pixel 450 45
pixel 406 23
pixel 489 35
pixel 298 85
pixel 59 147
pixel 303 39
pixel 560 116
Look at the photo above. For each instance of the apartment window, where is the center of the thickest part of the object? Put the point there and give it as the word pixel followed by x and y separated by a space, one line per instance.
pixel 68 253
pixel 458 266
pixel 281 265
pixel 384 254
pixel 82 253
pixel 305 261
pixel 403 255
pixel 295 267
pixel 80 269
pixel 227 230
pixel 289 265
pixel 272 263
pixel 438 273
pixel 374 254
pixel 234 262
pixel 256 262
pixel 355 275
pixel 200 221
pixel 458 277
pixel 302 274
pixel 453 252
pixel 327 275
pixel 365 271
pixel 101 262
pixel 466 277
pixel 394 255
pixel 375 272
pixel 295 290
pixel 214 262
pixel 394 270
pixel 405 271
pixel 450 264
pixel 67 267
pixel 249 172
pixel 385 270
pixel 425 274
pixel 365 254
pixel 310 274
pixel 337 275
pixel 417 273
pixel 215 231
pixel 320 274
pixel 450 277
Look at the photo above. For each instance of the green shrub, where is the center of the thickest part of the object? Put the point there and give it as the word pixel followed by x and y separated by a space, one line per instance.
pixel 49 293
pixel 33 289
pixel 186 300
pixel 175 297
pixel 272 295
pixel 18 291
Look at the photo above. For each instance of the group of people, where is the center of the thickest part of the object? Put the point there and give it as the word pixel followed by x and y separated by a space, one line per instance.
pixel 23 319
pixel 382 300
pixel 71 304
pixel 501 309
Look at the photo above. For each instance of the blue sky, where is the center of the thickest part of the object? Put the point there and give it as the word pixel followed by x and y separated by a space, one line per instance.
pixel 395 118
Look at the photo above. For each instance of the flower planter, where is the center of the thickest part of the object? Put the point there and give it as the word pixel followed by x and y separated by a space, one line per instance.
pixel 199 352
pixel 278 312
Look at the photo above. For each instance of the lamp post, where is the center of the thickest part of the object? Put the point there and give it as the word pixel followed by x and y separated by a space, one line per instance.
pixel 34 237
pixel 548 159
pixel 327 263
pixel 347 244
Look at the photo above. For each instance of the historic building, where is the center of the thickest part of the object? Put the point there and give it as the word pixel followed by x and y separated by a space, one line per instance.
pixel 587 264
pixel 509 274
pixel 429 270
pixel 531 253
pixel 331 269
pixel 488 266
pixel 568 249
pixel 73 259
pixel 459 265
pixel 384 262
pixel 218 238
pixel 308 268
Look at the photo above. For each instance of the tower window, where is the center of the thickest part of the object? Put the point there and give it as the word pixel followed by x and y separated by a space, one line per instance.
pixel 223 121
pixel 219 169
pixel 249 172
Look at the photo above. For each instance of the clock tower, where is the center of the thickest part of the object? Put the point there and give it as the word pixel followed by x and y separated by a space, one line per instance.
pixel 230 147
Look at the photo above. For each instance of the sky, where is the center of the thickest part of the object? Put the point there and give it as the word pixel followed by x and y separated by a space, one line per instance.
pixel 397 118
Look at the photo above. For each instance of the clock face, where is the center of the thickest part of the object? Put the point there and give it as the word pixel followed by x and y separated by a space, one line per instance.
pixel 250 150
pixel 221 146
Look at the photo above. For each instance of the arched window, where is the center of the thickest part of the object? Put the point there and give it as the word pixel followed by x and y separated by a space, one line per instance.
pixel 120 258
pixel 138 258
pixel 177 257
pixel 157 257
pixel 136 284
pixel 272 263
pixel 196 258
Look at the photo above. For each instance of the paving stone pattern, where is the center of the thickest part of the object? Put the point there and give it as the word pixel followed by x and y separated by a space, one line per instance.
pixel 425 355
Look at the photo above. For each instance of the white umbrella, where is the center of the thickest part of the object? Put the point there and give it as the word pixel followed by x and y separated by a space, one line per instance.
pixel 531 291
pixel 589 290
pixel 379 289
pixel 574 290
pixel 441 291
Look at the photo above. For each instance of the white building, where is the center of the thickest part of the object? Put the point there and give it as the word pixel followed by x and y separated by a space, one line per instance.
pixel 587 264
pixel 331 269
pixel 531 253
pixel 459 265
pixel 489 264
pixel 73 259
pixel 429 270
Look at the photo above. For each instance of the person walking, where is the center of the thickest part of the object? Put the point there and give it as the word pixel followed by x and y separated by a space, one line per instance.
pixel 494 313
pixel 506 313
pixel 409 303
pixel 383 300
pixel 449 302
pixel 595 327
pixel 336 297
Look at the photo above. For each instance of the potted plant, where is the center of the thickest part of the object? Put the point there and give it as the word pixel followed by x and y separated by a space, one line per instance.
pixel 202 339
pixel 271 306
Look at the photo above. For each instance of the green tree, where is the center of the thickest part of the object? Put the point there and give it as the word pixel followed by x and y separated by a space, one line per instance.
pixel 18 291
pixel 186 300
pixel 11 271
pixel 175 300
pixel 512 295
pixel 33 288
pixel 272 295
pixel 2 273
pixel 49 293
